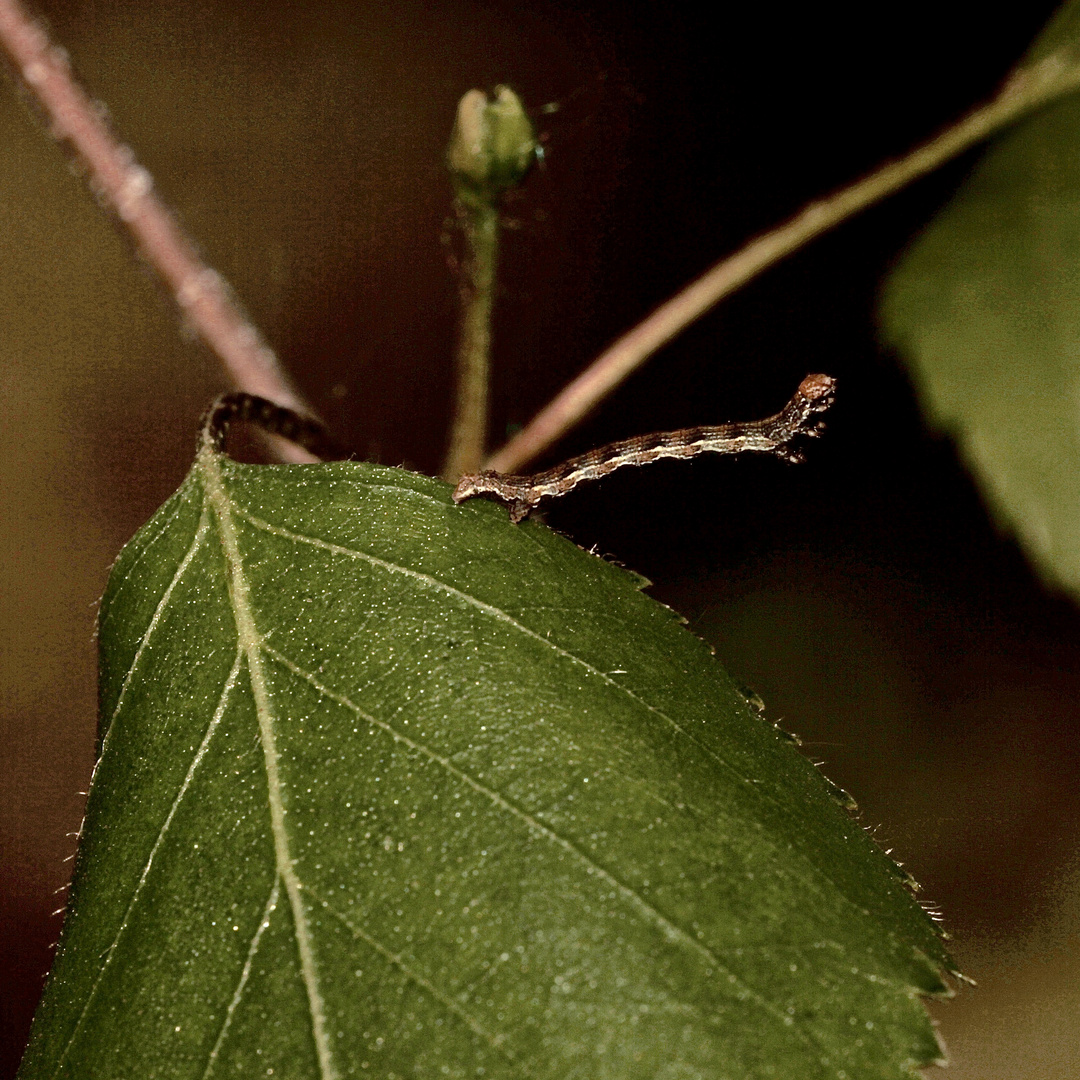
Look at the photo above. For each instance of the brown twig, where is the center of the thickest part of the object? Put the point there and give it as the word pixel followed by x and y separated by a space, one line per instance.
pixel 1027 89
pixel 127 189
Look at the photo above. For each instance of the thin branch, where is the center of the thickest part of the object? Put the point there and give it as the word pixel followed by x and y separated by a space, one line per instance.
pixel 127 189
pixel 1027 89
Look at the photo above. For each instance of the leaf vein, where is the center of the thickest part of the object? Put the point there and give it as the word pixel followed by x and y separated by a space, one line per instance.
pixel 488 609
pixel 162 604
pixel 671 931
pixel 162 530
pixel 497 1041
pixel 219 712
pixel 238 993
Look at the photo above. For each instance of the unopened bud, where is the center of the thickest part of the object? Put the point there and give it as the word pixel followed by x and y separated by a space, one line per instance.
pixel 493 143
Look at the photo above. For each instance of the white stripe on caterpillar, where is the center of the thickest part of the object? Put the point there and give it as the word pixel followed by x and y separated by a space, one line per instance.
pixel 773 435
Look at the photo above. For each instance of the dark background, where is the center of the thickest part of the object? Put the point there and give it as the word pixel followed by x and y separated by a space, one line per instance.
pixel 867 596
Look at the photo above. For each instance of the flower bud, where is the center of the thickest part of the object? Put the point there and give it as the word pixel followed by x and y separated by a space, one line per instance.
pixel 492 146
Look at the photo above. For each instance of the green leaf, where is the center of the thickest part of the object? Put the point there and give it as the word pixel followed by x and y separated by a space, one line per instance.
pixel 391 787
pixel 986 306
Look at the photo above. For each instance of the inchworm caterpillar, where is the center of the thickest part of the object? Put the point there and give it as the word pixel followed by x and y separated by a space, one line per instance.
pixel 772 435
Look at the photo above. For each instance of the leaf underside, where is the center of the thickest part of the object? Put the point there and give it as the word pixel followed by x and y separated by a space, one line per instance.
pixel 390 787
pixel 986 306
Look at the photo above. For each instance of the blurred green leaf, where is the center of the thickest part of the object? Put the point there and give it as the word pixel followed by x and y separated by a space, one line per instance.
pixel 986 306
pixel 389 786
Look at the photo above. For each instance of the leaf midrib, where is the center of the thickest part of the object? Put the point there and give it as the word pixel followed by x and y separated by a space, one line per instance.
pixel 250 642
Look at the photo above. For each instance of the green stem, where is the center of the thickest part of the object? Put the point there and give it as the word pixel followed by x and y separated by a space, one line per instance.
pixel 468 433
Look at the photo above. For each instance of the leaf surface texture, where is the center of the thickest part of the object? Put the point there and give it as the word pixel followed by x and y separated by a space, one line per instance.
pixel 389 787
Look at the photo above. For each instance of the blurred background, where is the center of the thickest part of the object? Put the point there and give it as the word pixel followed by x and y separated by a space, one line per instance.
pixel 867 596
